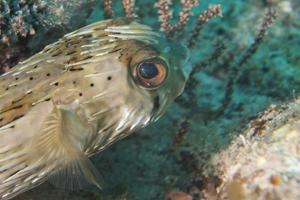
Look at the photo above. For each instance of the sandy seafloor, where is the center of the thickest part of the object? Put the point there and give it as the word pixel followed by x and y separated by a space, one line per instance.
pixel 157 160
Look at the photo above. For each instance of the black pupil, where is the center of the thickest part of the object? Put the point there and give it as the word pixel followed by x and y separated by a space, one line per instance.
pixel 148 70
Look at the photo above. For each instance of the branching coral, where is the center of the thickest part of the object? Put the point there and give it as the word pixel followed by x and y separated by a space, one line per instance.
pixel 165 15
pixel 108 9
pixel 224 58
pixel 128 6
pixel 235 67
pixel 211 12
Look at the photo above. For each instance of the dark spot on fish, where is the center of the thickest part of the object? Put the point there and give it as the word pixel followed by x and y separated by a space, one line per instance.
pixel 13 126
pixel 17 78
pixel 74 82
pixel 17 171
pixel 48 99
pixel 53 50
pixel 98 29
pixel 7 88
pixel 17 117
pixel 17 107
pixel 86 36
pixel 35 67
pixel 48 74
pixel 76 69
pixel 16 101
pixel 92 84
pixel 80 94
pixel 71 43
pixel 86 58
pixel 115 50
pixel 1 119
pixel 56 54
pixel 31 78
pixel 156 104
pixel 109 78
pixel 47 50
pixel 56 84
pixel 70 53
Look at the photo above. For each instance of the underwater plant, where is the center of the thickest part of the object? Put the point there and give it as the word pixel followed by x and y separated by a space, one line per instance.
pixel 24 25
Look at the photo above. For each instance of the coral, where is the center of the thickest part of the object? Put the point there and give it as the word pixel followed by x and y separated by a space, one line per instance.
pixel 262 162
pixel 211 12
pixel 17 21
pixel 25 23
pixel 165 15
pixel 128 6
pixel 108 10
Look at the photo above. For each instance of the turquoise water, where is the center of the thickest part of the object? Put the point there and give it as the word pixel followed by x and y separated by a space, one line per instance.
pixel 172 153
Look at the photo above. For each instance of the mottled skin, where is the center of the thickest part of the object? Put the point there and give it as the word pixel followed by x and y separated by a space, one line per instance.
pixel 78 96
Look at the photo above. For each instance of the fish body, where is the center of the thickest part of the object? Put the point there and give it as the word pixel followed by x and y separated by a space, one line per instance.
pixel 79 95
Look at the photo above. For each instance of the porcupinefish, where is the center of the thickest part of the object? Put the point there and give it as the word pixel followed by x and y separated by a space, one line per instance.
pixel 79 95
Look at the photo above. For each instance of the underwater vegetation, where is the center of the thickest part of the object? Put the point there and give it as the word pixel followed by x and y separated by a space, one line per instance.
pixel 24 25
pixel 212 144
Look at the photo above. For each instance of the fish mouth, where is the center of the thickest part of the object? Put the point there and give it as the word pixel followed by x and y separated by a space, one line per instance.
pixel 156 109
pixel 156 105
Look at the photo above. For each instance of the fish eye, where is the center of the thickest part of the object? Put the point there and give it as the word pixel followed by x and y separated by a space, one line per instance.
pixel 151 73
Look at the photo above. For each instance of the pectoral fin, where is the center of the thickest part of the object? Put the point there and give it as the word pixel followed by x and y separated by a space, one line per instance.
pixel 76 174
pixel 60 148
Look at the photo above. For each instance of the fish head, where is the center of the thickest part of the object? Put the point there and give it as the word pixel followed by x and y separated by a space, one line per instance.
pixel 126 73
pixel 157 70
